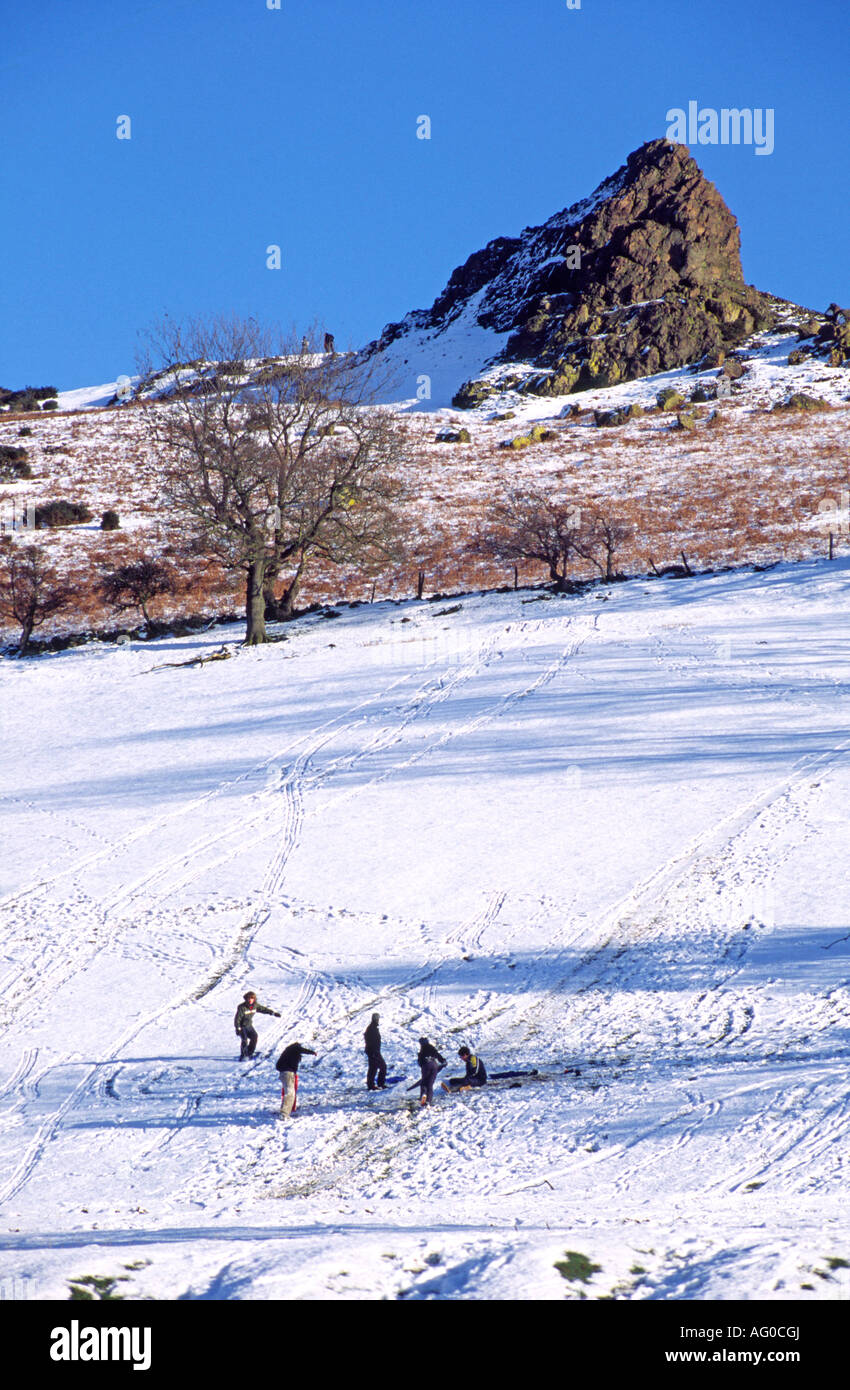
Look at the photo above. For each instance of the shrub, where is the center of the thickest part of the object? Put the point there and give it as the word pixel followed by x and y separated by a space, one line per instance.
pixel 50 405
pixel 576 1266
pixel 136 585
pixel 61 513
pixel 110 521
pixel 13 463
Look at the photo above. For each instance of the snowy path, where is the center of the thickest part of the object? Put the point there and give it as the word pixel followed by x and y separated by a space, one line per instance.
pixel 603 834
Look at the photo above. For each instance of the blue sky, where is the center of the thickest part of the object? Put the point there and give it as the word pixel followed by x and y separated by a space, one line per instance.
pixel 297 127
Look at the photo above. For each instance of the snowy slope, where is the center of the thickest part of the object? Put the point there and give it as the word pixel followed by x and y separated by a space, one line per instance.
pixel 605 833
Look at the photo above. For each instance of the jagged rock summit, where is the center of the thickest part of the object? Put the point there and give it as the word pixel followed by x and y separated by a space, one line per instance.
pixel 643 276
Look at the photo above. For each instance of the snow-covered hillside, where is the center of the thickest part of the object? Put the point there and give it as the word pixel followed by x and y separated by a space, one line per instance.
pixel 603 837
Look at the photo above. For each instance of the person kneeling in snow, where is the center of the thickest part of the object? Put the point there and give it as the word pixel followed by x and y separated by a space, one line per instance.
pixel 287 1064
pixel 243 1023
pixel 476 1073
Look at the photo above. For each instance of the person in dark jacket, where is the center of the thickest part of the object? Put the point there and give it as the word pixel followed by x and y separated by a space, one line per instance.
pixel 376 1074
pixel 244 1020
pixel 430 1062
pixel 476 1073
pixel 287 1064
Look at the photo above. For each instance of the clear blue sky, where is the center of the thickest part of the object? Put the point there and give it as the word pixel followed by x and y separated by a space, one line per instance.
pixel 297 127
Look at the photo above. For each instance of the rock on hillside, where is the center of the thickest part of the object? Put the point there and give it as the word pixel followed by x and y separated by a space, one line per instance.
pixel 643 276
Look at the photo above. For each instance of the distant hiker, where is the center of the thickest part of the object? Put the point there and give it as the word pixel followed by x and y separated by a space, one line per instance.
pixel 376 1074
pixel 305 346
pixel 287 1064
pixel 430 1062
pixel 329 344
pixel 243 1023
pixel 476 1073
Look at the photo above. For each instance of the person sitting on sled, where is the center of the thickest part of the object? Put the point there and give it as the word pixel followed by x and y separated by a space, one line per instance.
pixel 476 1073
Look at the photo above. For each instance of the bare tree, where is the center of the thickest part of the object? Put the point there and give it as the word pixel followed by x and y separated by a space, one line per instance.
pixel 273 457
pixel 603 537
pixel 136 585
pixel 30 590
pixel 530 525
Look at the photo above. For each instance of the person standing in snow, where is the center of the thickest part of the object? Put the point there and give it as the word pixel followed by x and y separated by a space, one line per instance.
pixel 476 1073
pixel 430 1062
pixel 287 1064
pixel 329 344
pixel 376 1074
pixel 244 1020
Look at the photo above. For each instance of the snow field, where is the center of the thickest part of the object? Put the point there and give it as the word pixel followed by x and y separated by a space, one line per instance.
pixel 602 833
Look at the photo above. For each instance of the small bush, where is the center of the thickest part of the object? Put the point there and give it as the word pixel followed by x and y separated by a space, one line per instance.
pixel 110 521
pixel 50 405
pixel 577 1267
pixel 13 463
pixel 61 514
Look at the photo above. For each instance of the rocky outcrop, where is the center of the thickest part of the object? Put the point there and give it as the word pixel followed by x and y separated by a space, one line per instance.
pixel 643 276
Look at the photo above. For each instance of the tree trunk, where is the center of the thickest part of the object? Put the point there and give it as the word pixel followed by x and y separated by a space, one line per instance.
pixel 286 606
pixel 255 605
pixel 26 634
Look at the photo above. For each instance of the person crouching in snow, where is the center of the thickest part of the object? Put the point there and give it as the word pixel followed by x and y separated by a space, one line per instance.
pixel 287 1064
pixel 476 1073
pixel 243 1023
pixel 430 1062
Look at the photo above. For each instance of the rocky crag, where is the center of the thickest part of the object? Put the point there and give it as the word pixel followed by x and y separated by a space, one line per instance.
pixel 643 276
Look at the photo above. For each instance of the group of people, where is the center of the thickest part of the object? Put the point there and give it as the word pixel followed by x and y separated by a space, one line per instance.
pixel 430 1061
